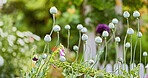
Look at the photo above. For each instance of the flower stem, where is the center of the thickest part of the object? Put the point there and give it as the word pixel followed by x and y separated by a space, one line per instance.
pixel 125 59
pixel 68 42
pixel 79 40
pixel 140 49
pixel 105 54
pixel 117 57
pixel 53 24
pixel 135 51
pixel 131 50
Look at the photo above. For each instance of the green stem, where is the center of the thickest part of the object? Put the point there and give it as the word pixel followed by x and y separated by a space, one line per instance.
pixel 68 42
pixel 105 54
pixel 135 51
pixel 117 57
pixel 131 50
pixel 140 49
pixel 125 40
pixel 97 58
pixel 53 24
pixel 79 40
pixel 125 59
pixel 145 61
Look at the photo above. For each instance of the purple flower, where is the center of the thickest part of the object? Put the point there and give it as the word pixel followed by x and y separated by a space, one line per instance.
pixel 35 59
pixel 54 66
pixel 62 52
pixel 101 27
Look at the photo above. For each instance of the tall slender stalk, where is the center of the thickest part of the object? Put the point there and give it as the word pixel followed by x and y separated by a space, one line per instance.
pixel 131 50
pixel 140 49
pixel 105 54
pixel 125 39
pixel 53 24
pixel 135 51
pixel 79 40
pixel 117 57
pixel 125 59
pixel 68 42
pixel 97 58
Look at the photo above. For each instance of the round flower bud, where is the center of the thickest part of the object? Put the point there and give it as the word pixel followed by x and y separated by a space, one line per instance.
pixel 53 10
pixel 127 45
pixel 67 27
pixel 126 14
pixel 84 30
pixel 144 54
pixel 117 39
pixel 98 40
pixel 111 26
pixel 115 21
pixel 56 28
pixel 75 48
pixel 120 59
pixel 139 34
pixel 105 34
pixel 136 14
pixel 84 37
pixel 130 31
pixel 62 58
pixel 79 26
pixel 47 38
pixel 91 62
pixel 44 56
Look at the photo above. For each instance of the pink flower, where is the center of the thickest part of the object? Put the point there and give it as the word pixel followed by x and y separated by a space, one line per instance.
pixel 62 52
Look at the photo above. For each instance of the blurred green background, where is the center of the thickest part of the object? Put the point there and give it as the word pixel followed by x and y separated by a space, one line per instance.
pixel 34 16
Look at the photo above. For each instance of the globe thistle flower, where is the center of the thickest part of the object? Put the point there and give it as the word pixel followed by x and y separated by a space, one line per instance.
pixel 91 62
pixel 67 27
pixel 75 48
pixel 62 58
pixel 117 39
pixel 136 14
pixel 126 14
pixel 84 30
pixel 98 40
pixel 130 31
pixel 53 10
pixel 1 61
pixel 84 37
pixel 56 28
pixel 105 34
pixel 127 45
pixel 47 38
pixel 115 21
pixel 35 58
pixel 139 34
pixel 44 56
pixel 79 26
pixel 111 25
pixel 101 27
pixel 145 54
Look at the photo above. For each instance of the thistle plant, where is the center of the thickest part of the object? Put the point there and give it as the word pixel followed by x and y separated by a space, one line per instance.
pixel 56 57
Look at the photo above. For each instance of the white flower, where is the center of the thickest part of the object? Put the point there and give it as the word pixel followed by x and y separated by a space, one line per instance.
pixel 1 23
pixel 67 27
pixel 75 48
pixel 111 25
pixel 20 34
pixel 14 28
pixel 127 45
pixel 136 14
pixel 84 37
pixel 44 56
pixel 139 34
pixel 56 28
pixel 53 10
pixel 62 58
pixel 47 38
pixel 79 26
pixel 105 34
pixel 36 37
pixel 21 42
pixel 91 62
pixel 117 39
pixel 126 14
pixel 98 40
pixel 144 54
pixel 115 21
pixel 1 61
pixel 130 31
pixel 84 30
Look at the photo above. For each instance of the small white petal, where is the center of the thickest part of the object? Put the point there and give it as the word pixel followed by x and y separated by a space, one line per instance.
pixel 111 25
pixel 84 37
pixel 98 40
pixel 117 39
pixel 47 38
pixel 79 26
pixel 75 48
pixel 136 14
pixel 144 54
pixel 115 21
pixel 53 10
pixel 130 31
pixel 105 34
pixel 139 34
pixel 126 14
pixel 67 27
pixel 127 45
pixel 56 28
pixel 84 30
